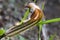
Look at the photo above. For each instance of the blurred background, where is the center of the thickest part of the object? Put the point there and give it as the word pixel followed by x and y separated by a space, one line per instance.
pixel 12 11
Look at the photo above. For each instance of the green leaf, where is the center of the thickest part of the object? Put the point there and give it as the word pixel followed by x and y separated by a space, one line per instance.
pixel 52 37
pixel 2 31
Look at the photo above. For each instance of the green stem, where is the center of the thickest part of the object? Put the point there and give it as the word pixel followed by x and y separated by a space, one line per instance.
pixel 50 21
pixel 25 16
pixel 40 29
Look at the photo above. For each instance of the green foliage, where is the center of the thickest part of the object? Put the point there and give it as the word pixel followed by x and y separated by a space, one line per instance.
pixel 2 31
pixel 52 37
